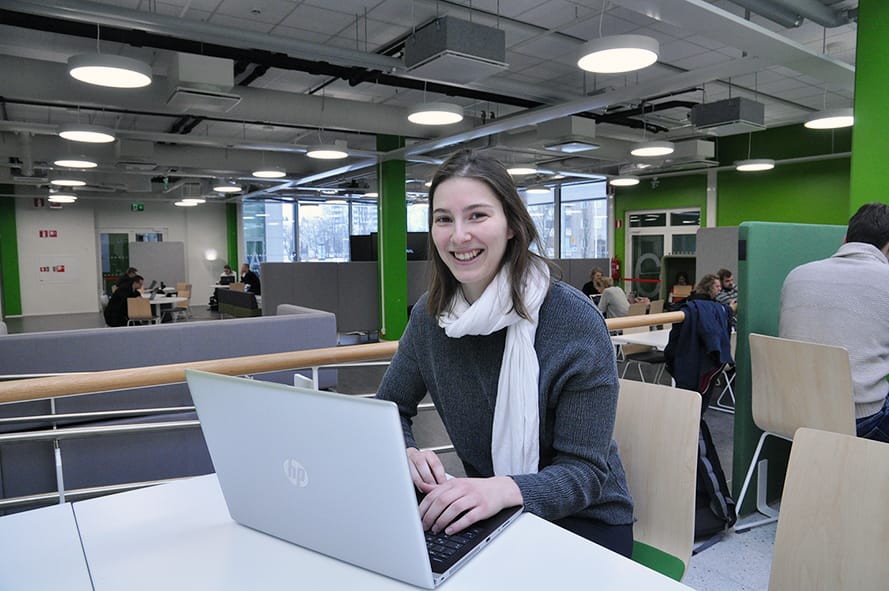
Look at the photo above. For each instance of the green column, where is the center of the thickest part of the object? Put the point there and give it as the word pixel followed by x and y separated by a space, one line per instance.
pixel 870 139
pixel 392 241
pixel 231 235
pixel 9 256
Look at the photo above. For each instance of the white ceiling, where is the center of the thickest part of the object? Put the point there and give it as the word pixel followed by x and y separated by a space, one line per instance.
pixel 709 51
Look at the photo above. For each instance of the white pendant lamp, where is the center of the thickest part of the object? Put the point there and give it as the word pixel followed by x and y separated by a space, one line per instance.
pixel 269 172
pixel 75 162
pixel 185 203
pixel 624 181
pixel 62 182
pixel 195 200
pixel 335 151
pixel 521 170
pixel 62 198
pixel 754 165
pixel 227 187
pixel 831 119
pixel 436 114
pixel 652 149
pixel 91 134
pixel 618 53
pixel 113 71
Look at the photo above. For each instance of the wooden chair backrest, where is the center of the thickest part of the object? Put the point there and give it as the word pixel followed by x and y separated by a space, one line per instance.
pixel 138 308
pixel 682 291
pixel 656 431
pixel 183 304
pixel 833 529
pixel 236 286
pixel 183 287
pixel 798 384
pixel 637 309
pixel 656 307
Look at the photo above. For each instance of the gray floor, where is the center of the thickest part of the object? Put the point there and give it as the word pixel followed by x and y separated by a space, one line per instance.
pixel 740 562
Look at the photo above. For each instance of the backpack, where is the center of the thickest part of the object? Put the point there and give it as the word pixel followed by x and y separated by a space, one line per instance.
pixel 714 506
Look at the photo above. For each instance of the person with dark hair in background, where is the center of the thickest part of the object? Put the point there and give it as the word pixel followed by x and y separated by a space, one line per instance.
pixel 855 317
pixel 127 277
pixel 250 280
pixel 116 310
pixel 520 367
pixel 228 275
pixel 590 288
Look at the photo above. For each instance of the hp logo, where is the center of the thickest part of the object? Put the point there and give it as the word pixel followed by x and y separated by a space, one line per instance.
pixel 295 473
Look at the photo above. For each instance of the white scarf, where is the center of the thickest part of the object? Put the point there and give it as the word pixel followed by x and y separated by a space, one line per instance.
pixel 515 444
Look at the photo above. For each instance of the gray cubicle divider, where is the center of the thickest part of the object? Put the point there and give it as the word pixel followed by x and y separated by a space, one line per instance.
pixel 351 290
pixel 159 261
pixel 717 248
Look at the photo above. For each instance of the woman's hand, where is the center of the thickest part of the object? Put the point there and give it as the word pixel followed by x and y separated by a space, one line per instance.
pixel 426 469
pixel 459 502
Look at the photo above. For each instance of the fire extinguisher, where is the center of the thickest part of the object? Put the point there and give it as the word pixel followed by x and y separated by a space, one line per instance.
pixel 615 268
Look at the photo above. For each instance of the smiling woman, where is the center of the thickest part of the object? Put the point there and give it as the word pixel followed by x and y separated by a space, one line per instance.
pixel 520 367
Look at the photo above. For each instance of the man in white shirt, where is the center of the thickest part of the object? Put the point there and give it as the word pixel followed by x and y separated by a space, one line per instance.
pixel 844 301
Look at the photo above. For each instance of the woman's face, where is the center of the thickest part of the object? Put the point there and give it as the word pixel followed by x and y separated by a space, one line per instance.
pixel 470 232
pixel 715 289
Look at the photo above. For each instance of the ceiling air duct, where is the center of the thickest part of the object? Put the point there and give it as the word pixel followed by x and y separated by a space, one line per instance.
pixel 455 51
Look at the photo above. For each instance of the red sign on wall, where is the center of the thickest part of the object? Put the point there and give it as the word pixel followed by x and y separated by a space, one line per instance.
pixel 48 233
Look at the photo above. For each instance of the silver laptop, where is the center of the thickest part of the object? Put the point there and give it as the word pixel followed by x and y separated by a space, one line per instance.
pixel 327 472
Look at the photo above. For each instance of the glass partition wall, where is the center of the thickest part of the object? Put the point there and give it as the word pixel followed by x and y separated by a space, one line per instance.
pixel 572 221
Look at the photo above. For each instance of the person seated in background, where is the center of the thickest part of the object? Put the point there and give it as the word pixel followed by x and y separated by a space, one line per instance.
pixel 729 292
pixel 250 280
pixel 614 302
pixel 227 276
pixel 708 288
pixel 116 310
pixel 680 289
pixel 589 288
pixel 681 278
pixel 856 319
pixel 126 277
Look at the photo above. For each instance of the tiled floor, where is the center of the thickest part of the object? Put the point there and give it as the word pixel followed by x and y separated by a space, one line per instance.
pixel 740 562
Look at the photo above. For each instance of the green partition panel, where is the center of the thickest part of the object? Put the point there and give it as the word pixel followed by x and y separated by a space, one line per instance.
pixel 767 252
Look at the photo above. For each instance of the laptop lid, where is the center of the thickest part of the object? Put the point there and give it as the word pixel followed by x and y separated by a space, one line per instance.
pixel 325 471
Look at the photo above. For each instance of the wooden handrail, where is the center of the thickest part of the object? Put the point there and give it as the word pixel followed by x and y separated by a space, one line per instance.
pixel 158 375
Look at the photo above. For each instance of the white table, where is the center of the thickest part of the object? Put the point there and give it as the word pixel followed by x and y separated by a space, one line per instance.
pixel 652 338
pixel 40 549
pixel 180 536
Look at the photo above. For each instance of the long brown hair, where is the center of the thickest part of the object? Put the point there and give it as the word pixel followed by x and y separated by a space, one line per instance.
pixel 518 256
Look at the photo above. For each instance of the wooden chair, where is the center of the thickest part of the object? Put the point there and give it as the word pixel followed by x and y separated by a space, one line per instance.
pixel 181 309
pixel 794 384
pixel 237 286
pixel 834 527
pixel 139 311
pixel 183 287
pixel 656 431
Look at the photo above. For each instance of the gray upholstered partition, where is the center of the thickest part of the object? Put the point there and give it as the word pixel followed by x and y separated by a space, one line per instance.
pixel 717 248
pixel 28 468
pixel 351 290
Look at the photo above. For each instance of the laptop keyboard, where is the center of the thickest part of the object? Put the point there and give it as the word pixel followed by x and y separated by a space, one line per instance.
pixel 442 546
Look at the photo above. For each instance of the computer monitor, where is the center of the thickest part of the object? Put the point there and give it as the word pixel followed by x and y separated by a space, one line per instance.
pixel 226 280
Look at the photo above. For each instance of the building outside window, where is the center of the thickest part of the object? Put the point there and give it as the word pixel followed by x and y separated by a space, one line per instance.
pixel 584 221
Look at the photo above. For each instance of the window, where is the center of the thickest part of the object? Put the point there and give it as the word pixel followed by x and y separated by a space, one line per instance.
pixel 323 231
pixel 584 221
pixel 268 232
pixel 650 236
pixel 541 208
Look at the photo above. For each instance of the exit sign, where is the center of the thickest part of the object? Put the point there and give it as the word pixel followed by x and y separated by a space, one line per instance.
pixel 137 207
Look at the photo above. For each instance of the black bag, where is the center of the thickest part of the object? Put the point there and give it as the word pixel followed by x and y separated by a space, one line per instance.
pixel 714 506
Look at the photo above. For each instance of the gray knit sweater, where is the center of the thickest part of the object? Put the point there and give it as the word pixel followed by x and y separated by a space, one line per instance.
pixel 580 471
pixel 844 301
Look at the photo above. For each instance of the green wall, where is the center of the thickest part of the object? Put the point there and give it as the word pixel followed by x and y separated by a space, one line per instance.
pixel 9 256
pixel 871 115
pixel 814 192
pixel 805 193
